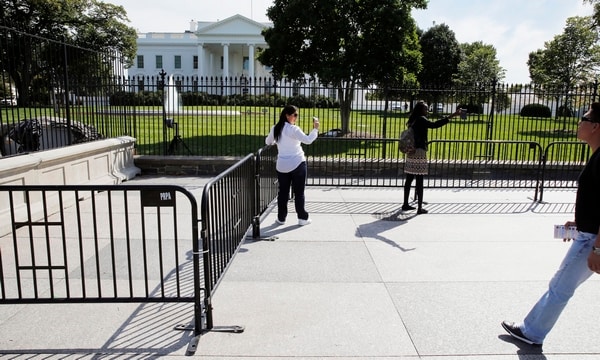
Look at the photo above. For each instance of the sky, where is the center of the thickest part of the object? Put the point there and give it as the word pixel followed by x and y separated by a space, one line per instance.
pixel 514 27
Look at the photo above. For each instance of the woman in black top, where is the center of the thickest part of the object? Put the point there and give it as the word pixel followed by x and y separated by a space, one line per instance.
pixel 582 259
pixel 416 165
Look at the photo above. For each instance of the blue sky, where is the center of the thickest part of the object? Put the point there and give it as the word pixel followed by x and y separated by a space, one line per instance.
pixel 514 27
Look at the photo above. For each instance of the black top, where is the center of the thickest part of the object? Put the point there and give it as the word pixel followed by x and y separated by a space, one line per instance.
pixel 587 203
pixel 420 126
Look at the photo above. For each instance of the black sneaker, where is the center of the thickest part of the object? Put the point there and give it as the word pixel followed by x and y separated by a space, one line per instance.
pixel 513 330
pixel 407 207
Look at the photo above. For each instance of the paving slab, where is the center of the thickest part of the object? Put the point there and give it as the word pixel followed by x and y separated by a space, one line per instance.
pixel 363 281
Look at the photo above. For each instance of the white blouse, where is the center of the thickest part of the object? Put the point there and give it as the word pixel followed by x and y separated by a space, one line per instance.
pixel 289 148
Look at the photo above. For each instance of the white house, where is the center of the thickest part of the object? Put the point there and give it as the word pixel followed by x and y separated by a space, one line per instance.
pixel 222 49
pixel 225 48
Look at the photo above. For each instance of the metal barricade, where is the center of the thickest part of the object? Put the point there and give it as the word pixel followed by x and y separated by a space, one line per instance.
pixel 100 244
pixel 227 210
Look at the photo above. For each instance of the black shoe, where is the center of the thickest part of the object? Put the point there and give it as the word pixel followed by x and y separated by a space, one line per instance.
pixel 407 207
pixel 513 330
pixel 422 211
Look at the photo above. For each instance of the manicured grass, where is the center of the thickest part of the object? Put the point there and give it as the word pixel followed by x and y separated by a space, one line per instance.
pixel 239 130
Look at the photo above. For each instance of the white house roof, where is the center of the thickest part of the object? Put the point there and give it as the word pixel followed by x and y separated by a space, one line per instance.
pixel 233 25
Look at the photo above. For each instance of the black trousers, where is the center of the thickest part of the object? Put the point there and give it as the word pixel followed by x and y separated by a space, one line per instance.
pixel 297 180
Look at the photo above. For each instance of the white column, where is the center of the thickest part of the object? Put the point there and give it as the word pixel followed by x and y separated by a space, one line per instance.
pixel 251 67
pixel 201 61
pixel 226 69
pixel 225 60
pixel 251 61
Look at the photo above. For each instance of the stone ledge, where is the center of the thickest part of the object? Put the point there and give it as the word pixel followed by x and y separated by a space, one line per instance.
pixel 184 165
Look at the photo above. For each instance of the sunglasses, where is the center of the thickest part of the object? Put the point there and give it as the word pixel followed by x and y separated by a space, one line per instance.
pixel 585 118
pixel 295 115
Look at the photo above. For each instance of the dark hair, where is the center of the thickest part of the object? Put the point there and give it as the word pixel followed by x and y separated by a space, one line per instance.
pixel 595 107
pixel 418 111
pixel 287 110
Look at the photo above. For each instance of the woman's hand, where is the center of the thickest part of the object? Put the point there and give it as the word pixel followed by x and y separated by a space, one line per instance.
pixel 315 123
pixel 457 112
pixel 567 225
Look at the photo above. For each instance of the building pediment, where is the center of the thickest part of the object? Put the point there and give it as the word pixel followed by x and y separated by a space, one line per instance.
pixel 233 25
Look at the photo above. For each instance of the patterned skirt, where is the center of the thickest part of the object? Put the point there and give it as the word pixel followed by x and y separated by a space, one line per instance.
pixel 416 163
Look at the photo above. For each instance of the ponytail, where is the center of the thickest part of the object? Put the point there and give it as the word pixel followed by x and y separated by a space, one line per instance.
pixel 287 110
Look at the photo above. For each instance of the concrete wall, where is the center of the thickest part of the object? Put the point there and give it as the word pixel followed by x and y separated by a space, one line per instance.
pixel 103 162
pixel 100 162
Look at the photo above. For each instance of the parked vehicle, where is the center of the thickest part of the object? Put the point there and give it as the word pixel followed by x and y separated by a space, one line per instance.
pixel 8 102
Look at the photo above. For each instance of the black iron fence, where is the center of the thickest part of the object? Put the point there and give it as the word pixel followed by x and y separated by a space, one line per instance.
pixel 214 116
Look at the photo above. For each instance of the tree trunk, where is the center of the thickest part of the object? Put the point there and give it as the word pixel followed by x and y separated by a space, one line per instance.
pixel 346 96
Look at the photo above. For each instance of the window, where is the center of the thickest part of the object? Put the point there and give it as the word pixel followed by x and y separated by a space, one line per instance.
pixel 141 84
pixel 246 63
pixel 195 61
pixel 222 62
pixel 140 61
pixel 159 63
pixel 333 94
pixel 177 61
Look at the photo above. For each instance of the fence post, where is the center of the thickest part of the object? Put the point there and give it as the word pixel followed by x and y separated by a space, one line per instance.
pixel 67 93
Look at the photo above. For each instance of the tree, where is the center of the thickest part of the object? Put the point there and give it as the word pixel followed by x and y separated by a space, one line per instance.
pixel 479 65
pixel 343 43
pixel 570 59
pixel 596 14
pixel 441 56
pixel 479 70
pixel 85 24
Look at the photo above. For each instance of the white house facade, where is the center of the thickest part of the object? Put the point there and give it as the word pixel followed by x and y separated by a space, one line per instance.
pixel 208 54
pixel 226 48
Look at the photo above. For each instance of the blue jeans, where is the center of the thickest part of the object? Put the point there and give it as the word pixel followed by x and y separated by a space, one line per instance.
pixel 573 271
pixel 297 179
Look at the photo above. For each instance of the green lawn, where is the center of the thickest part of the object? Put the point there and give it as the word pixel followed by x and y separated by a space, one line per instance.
pixel 239 130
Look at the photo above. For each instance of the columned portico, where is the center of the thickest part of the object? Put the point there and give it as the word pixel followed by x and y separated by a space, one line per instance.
pixel 208 50
pixel 231 44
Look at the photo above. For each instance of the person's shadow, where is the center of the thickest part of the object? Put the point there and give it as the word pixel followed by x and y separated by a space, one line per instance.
pixel 384 223
pixel 525 351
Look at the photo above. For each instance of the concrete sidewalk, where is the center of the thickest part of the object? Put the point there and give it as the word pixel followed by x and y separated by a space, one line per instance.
pixel 363 281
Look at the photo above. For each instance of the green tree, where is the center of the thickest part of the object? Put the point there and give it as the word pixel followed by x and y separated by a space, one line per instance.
pixel 568 60
pixel 343 43
pixel 479 69
pixel 441 56
pixel 479 65
pixel 85 24
pixel 596 14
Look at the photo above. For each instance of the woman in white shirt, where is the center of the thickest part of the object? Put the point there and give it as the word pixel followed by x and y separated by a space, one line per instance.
pixel 291 162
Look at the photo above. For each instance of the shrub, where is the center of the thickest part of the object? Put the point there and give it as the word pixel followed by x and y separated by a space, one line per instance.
pixel 565 111
pixel 536 110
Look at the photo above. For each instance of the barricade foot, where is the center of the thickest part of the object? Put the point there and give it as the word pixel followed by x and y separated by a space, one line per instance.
pixel 230 329
pixel 260 238
pixel 192 346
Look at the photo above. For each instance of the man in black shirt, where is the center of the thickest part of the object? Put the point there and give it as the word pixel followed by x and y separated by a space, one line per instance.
pixel 583 258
